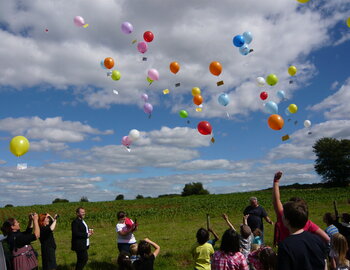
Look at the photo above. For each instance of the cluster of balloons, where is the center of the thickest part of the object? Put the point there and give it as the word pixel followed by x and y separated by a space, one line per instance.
pixel 242 41
pixel 133 136
pixel 80 22
pixel 108 63
pixel 148 36
pixel 19 145
pixel 147 107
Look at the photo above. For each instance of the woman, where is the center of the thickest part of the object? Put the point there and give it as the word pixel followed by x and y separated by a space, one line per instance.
pixel 23 256
pixel 48 246
pixel 125 229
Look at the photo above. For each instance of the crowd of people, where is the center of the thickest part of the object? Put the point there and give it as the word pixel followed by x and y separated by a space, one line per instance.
pixel 301 243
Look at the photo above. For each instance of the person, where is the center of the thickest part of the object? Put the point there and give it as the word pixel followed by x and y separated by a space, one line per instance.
pixel 228 257
pixel 329 220
pixel 147 258
pixel 23 255
pixel 343 226
pixel 125 228
pixel 47 225
pixel 338 252
pixel 216 237
pixel 281 231
pixel 133 253
pixel 202 250
pixel 124 261
pixel 301 249
pixel 263 258
pixel 257 237
pixel 80 238
pixel 256 214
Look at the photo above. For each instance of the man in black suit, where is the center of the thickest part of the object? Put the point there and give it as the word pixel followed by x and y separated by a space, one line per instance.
pixel 80 238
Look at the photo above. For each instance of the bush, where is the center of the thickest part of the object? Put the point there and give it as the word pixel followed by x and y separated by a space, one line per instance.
pixel 58 200
pixel 9 205
pixel 119 197
pixel 194 189
pixel 138 197
pixel 84 199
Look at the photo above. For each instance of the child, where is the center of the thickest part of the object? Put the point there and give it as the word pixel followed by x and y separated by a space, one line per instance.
pixel 147 258
pixel 133 252
pixel 338 252
pixel 202 250
pixel 263 258
pixel 124 261
pixel 329 220
pixel 257 236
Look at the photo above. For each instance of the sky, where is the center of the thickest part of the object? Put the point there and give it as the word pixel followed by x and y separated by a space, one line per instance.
pixel 55 93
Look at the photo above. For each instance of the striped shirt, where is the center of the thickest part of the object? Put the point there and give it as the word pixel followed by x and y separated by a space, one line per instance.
pixel 330 230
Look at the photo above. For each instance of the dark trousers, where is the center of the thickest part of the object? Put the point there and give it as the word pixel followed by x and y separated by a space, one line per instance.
pixel 82 258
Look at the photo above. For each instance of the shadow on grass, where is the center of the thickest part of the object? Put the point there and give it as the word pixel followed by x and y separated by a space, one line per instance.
pixel 91 265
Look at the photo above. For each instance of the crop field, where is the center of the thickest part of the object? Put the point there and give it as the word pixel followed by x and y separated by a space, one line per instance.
pixel 170 222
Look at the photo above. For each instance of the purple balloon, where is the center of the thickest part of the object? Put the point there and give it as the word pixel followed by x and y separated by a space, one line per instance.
pixel 148 108
pixel 126 141
pixel 127 27
pixel 142 47
pixel 144 97
pixel 153 74
pixel 79 21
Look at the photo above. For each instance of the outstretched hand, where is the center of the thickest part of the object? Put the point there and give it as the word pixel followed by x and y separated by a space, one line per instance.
pixel 224 216
pixel 277 176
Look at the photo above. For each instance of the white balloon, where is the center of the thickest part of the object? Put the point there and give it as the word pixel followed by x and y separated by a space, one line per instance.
pixel 260 81
pixel 134 134
pixel 307 123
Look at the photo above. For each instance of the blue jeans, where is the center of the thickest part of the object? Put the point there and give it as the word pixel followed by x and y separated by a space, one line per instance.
pixel 124 247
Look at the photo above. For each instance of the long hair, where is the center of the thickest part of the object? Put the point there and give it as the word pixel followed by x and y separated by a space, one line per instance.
pixel 144 249
pixel 268 258
pixel 6 227
pixel 230 241
pixel 42 218
pixel 340 246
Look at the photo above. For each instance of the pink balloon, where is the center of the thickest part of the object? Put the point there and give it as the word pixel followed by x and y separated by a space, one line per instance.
pixel 126 141
pixel 144 97
pixel 148 108
pixel 79 21
pixel 142 47
pixel 153 74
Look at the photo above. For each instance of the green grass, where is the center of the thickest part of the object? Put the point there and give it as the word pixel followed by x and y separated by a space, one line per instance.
pixel 170 222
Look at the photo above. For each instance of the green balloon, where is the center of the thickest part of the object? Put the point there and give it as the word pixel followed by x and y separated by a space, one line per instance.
pixel 149 80
pixel 115 75
pixel 271 79
pixel 183 114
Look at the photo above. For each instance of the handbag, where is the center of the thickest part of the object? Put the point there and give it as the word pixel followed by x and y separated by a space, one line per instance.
pixel 24 258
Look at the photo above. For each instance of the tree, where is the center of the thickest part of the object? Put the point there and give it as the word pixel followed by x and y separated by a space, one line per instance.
pixel 194 189
pixel 84 199
pixel 138 197
pixel 9 205
pixel 333 161
pixel 119 197
pixel 58 200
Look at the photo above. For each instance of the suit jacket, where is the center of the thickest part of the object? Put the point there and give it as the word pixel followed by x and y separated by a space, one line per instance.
pixel 79 235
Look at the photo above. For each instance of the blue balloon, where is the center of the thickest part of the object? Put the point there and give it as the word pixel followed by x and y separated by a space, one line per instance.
pixel 244 50
pixel 287 112
pixel 271 107
pixel 223 99
pixel 102 64
pixel 281 94
pixel 248 37
pixel 238 41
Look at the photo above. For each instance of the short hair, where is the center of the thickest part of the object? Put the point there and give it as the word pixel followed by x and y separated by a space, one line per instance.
pixel 328 218
pixel 296 213
pixel 6 226
pixel 121 214
pixel 124 261
pixel 133 249
pixel 299 200
pixel 202 236
pixel 144 249
pixel 268 258
pixel 42 218
pixel 78 209
pixel 253 199
pixel 230 241
pixel 246 231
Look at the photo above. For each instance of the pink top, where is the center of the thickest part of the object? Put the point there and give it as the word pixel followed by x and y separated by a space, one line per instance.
pixel 230 261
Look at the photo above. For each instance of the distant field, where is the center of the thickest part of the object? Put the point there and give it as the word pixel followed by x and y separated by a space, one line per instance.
pixel 170 222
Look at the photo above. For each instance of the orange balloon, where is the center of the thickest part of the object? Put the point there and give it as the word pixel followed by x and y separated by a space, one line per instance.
pixel 174 67
pixel 215 68
pixel 109 62
pixel 275 122
pixel 198 100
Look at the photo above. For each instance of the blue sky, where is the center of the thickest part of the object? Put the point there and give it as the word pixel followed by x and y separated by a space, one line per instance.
pixel 54 92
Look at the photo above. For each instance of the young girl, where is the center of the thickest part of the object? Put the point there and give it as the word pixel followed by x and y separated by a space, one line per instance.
pixel 124 261
pixel 263 258
pixel 125 229
pixel 257 236
pixel 338 252
pixel 202 250
pixel 147 258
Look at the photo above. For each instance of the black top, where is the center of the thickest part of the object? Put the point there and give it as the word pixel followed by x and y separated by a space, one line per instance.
pixel 79 235
pixel 144 264
pixel 20 239
pixel 46 237
pixel 255 217
pixel 304 251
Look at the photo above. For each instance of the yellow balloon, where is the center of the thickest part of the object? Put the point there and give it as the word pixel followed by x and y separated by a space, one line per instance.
pixel 292 70
pixel 292 108
pixel 196 91
pixel 303 1
pixel 348 22
pixel 19 145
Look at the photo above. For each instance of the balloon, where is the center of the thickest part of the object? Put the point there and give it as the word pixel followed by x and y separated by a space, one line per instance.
pixel 142 47
pixel 286 111
pixel 127 28
pixel 260 81
pixel 102 64
pixel 263 95
pixel 248 37
pixel 126 141
pixel 148 108
pixel 281 94
pixel 238 41
pixel 196 91
pixel 134 135
pixel 275 122
pixel 144 97
pixel 149 80
pixel 109 62
pixel 223 99
pixel 292 108
pixel 115 75
pixel 307 123
pixel 198 100
pixel 348 22
pixel 303 1
pixel 148 36
pixel 244 49
pixel 174 67
pixel 204 128
pixel 79 21
pixel 153 74
pixel 215 68
pixel 271 79
pixel 271 107
pixel 183 114
pixel 292 70
pixel 19 145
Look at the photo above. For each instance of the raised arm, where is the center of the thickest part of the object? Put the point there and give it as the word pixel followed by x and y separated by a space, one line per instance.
pixel 276 198
pixel 153 244
pixel 225 217
pixel 54 222
pixel 36 227
pixel 245 219
pixel 321 233
pixel 214 233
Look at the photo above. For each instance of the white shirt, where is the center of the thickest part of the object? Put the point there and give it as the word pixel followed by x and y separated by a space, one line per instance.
pixel 129 238
pixel 87 231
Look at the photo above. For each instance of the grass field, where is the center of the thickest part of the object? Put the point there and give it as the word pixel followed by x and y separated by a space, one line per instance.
pixel 170 222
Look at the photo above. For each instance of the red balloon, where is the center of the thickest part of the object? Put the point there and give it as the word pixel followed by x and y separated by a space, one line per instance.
pixel 263 95
pixel 204 128
pixel 148 36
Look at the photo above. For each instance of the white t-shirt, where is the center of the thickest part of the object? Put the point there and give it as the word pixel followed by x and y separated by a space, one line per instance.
pixel 129 238
pixel 87 231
